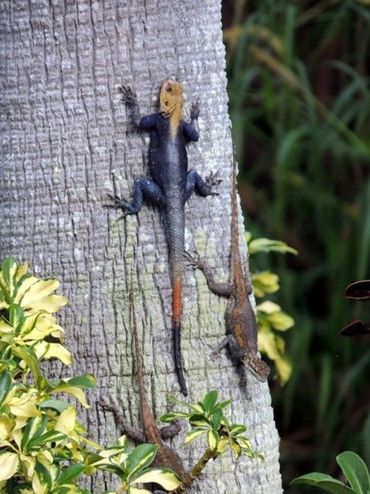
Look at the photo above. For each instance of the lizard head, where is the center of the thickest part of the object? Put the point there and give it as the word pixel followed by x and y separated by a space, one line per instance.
pixel 171 98
pixel 258 367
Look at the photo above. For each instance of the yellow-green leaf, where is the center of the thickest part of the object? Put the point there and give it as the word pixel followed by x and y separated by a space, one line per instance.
pixel 137 490
pixel 281 321
pixel 52 303
pixel 53 350
pixel 21 270
pixel 213 439
pixel 24 406
pixel 38 290
pixel 265 282
pixel 9 463
pixel 28 465
pixel 162 476
pixel 72 390
pixel 6 426
pixel 222 444
pixel 268 307
pixel 284 368
pixel 193 434
pixel 67 420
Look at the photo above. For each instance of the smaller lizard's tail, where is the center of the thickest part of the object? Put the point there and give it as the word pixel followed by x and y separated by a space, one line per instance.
pixel 176 329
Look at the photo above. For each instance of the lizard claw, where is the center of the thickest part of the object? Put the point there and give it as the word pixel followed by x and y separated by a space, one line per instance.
pixel 118 203
pixel 215 355
pixel 193 260
pixel 127 95
pixel 213 180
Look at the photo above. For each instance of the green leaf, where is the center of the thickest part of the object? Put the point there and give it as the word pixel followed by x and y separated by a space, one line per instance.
pixel 198 420
pixel 32 362
pixel 172 416
pixel 210 400
pixel 34 428
pixel 216 418
pixel 70 473
pixel 58 405
pixel 141 457
pixel 237 429
pixel 224 403
pixel 86 381
pixel 16 316
pixel 193 434
pixel 42 479
pixel 8 269
pixel 323 481
pixel 51 436
pixel 355 470
pixel 267 245
pixel 5 385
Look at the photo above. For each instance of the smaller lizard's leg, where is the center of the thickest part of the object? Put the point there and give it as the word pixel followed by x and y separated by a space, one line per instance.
pixel 170 431
pixel 221 289
pixel 216 352
pixel 143 188
pixel 136 435
pixel 194 182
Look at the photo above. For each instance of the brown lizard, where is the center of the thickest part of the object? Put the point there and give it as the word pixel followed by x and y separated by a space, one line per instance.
pixel 241 323
pixel 165 457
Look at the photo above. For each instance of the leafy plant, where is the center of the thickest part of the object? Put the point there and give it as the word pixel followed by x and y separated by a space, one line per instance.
pixel 354 470
pixel 270 316
pixel 131 465
pixel 207 419
pixel 43 448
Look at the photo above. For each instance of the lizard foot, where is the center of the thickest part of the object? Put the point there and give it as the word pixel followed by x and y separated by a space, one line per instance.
pixel 215 355
pixel 194 112
pixel 127 95
pixel 119 203
pixel 213 181
pixel 194 260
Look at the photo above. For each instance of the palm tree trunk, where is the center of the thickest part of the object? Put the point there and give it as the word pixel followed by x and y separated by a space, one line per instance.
pixel 67 141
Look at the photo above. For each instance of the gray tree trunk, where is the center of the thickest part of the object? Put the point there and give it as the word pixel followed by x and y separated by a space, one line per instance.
pixel 67 141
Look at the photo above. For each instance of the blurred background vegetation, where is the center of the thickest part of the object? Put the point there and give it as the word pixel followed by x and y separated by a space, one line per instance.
pixel 300 106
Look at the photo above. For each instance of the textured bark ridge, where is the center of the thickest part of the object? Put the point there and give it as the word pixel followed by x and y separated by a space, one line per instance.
pixel 66 142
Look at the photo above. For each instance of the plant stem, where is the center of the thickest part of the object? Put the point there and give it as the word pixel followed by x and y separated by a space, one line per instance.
pixel 189 478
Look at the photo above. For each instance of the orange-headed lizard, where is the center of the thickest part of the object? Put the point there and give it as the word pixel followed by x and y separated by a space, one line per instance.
pixel 170 186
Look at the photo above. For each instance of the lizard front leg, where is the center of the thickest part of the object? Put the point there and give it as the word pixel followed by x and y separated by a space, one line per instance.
pixel 221 289
pixel 170 431
pixel 144 188
pixel 136 435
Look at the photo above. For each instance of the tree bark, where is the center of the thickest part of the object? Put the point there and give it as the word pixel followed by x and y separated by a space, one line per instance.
pixel 67 141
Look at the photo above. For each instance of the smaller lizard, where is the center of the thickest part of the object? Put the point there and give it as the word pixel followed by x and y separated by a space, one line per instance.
pixel 165 457
pixel 241 323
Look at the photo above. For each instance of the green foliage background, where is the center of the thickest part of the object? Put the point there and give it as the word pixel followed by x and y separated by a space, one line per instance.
pixel 300 106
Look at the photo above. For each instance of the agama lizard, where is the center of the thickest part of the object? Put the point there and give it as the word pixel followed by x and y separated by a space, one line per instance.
pixel 165 457
pixel 241 323
pixel 170 187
